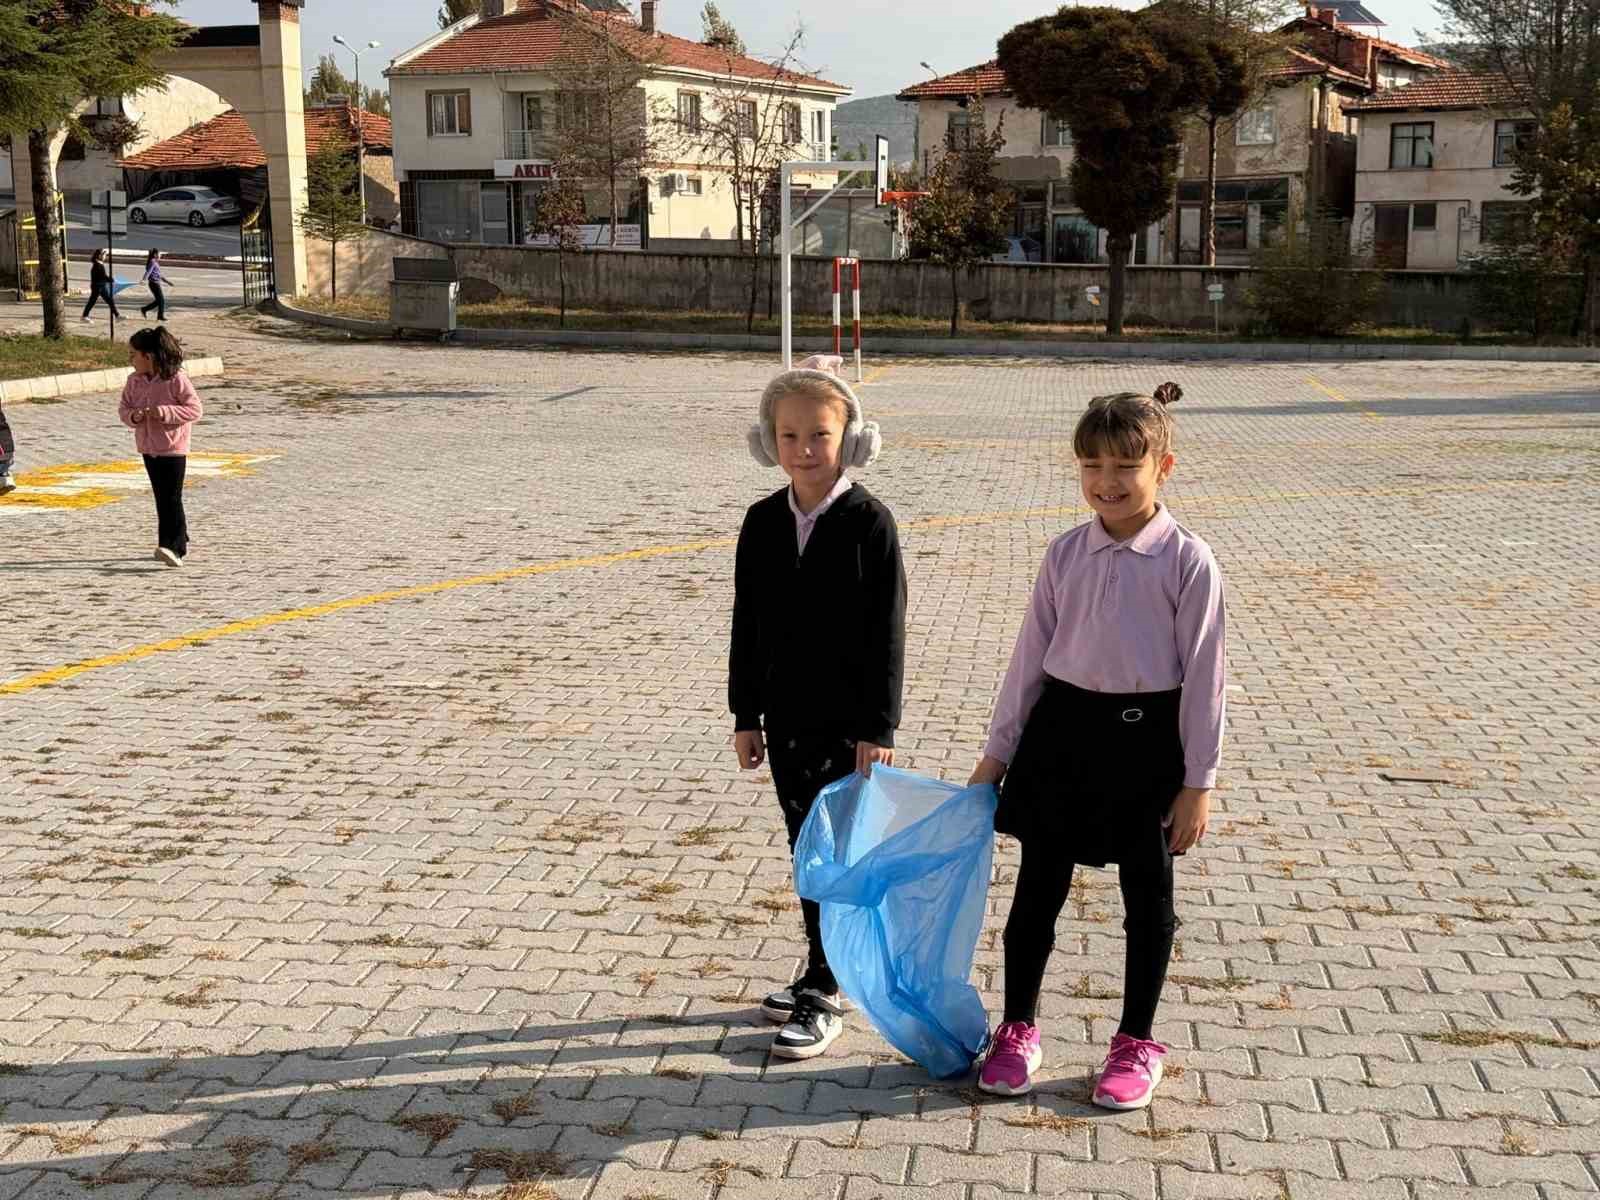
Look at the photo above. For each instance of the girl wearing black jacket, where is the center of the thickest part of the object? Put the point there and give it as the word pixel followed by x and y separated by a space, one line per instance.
pixel 818 653
pixel 100 285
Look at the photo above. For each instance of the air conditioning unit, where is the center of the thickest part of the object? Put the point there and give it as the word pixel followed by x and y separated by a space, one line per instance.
pixel 675 183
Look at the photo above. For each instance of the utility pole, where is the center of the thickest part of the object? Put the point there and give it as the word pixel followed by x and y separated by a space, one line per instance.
pixel 361 137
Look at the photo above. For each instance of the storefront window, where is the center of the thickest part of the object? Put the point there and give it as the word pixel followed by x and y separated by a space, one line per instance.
pixel 449 210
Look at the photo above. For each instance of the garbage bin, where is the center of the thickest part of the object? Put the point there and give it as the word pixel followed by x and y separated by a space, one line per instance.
pixel 423 295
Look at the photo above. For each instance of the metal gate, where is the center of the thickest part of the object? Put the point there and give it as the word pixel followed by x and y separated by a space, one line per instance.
pixel 26 250
pixel 255 249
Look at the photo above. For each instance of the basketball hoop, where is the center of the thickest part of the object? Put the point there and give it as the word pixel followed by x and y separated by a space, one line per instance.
pixel 902 197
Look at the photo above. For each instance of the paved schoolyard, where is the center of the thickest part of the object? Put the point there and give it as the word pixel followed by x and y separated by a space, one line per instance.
pixel 394 847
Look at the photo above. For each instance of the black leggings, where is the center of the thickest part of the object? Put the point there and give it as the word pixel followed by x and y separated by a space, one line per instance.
pixel 166 473
pixel 1042 886
pixel 158 301
pixel 801 767
pixel 103 292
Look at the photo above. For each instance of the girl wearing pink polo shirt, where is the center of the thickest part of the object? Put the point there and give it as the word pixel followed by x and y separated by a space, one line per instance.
pixel 159 404
pixel 1107 734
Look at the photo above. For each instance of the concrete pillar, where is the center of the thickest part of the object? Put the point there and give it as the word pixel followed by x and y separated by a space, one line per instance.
pixel 281 129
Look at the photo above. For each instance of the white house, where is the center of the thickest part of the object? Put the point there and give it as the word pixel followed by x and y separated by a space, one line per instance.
pixel 475 111
pixel 1433 170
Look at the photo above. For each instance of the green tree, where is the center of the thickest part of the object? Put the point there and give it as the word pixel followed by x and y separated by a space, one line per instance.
pixel 1548 54
pixel 333 207
pixel 454 10
pixel 559 216
pixel 53 53
pixel 1122 82
pixel 718 31
pixel 376 100
pixel 328 82
pixel 966 213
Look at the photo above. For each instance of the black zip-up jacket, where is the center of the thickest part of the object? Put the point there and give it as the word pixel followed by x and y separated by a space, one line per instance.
pixel 99 276
pixel 819 639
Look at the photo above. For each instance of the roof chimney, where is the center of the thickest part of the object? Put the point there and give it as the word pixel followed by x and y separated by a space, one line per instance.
pixel 647 15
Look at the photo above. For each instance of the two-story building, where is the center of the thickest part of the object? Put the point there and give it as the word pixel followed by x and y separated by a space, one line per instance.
pixel 1434 167
pixel 1294 150
pixel 476 107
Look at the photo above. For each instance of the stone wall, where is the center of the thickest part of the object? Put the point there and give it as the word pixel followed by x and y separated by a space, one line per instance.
pixel 1033 292
pixel 366 265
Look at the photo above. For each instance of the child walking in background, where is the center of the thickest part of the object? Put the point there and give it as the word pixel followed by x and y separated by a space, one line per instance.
pixel 8 454
pixel 153 278
pixel 159 404
pixel 1107 734
pixel 100 285
pixel 818 653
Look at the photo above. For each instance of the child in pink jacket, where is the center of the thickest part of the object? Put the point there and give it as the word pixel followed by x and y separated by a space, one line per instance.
pixel 159 404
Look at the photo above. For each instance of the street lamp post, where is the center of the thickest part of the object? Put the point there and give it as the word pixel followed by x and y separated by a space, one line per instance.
pixel 361 137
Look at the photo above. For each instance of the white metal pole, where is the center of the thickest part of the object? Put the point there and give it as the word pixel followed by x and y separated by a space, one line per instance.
pixel 786 278
pixel 361 144
pixel 855 305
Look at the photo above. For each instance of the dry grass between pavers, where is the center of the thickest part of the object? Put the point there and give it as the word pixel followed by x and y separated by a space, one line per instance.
pixel 718 1171
pixel 700 835
pixel 436 1127
pixel 1473 1038
pixel 197 997
pixel 305 1154
pixel 520 1166
pixel 511 1108
pixel 60 1143
pixel 28 356
pixel 1049 1122
pixel 135 954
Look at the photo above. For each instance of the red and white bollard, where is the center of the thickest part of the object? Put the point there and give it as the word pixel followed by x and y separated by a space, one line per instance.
pixel 855 306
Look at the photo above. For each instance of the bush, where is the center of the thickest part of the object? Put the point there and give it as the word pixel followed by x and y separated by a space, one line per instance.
pixel 1308 284
pixel 1523 289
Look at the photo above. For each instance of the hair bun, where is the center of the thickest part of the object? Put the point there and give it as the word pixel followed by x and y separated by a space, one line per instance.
pixel 1167 393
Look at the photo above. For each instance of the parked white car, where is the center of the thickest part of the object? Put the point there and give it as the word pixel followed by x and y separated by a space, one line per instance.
pixel 195 205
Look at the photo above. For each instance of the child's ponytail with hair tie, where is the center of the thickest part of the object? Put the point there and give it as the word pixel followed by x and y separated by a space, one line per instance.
pixel 1167 393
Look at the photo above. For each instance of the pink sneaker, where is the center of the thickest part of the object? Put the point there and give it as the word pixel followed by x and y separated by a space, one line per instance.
pixel 1131 1072
pixel 1013 1056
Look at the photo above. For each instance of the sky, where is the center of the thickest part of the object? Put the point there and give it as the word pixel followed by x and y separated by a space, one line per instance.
pixel 872 46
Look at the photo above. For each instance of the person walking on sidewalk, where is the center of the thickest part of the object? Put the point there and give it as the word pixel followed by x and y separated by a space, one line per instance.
pixel 1107 734
pixel 159 404
pixel 817 660
pixel 100 285
pixel 8 452
pixel 153 279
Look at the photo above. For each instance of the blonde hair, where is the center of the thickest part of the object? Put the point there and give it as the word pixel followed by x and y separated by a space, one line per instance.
pixel 815 390
pixel 1128 424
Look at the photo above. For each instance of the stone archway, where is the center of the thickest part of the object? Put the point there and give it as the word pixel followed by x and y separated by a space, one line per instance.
pixel 256 68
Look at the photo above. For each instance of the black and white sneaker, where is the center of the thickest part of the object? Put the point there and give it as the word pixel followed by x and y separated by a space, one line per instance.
pixel 816 1022
pixel 8 482
pixel 778 1007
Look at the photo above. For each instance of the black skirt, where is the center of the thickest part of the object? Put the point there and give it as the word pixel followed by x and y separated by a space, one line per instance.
pixel 1095 774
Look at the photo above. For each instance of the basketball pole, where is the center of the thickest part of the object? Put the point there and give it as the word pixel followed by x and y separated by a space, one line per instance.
pixel 847 169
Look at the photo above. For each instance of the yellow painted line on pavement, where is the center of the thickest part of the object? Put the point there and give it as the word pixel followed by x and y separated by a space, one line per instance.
pixel 1329 392
pixel 184 641
pixel 90 485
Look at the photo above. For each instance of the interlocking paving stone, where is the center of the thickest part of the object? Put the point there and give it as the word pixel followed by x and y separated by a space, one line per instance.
pixel 396 861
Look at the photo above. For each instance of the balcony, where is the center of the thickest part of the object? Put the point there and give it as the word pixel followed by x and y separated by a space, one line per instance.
pixel 526 143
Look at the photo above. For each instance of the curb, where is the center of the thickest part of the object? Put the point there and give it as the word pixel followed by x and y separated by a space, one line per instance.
pixel 973 347
pixel 46 387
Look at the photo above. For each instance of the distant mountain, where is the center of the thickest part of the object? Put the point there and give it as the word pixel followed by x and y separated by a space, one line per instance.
pixel 858 122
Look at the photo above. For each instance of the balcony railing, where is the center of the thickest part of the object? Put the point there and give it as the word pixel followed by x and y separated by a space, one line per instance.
pixel 525 143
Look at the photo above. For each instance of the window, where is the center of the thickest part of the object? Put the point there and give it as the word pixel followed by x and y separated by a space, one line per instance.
pixel 532 113
pixel 1509 137
pixel 582 111
pixel 693 185
pixel 1424 216
pixel 791 124
pixel 819 128
pixel 682 185
pixel 450 210
pixel 1411 145
pixel 108 106
pixel 1256 127
pixel 744 118
pixel 958 129
pixel 449 114
pixel 1507 222
pixel 689 111
pixel 1055 133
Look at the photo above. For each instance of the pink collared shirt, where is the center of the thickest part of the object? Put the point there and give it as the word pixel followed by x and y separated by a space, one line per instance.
pixel 1144 615
pixel 804 523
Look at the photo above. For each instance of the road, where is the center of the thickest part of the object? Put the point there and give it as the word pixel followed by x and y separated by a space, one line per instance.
pixel 214 241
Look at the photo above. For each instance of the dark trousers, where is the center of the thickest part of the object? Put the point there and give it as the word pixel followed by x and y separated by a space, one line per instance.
pixel 801 767
pixel 1043 882
pixel 8 445
pixel 158 301
pixel 103 292
pixel 166 481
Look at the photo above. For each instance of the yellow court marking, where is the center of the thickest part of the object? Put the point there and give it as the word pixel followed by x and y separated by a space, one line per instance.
pixel 184 641
pixel 90 485
pixel 1330 393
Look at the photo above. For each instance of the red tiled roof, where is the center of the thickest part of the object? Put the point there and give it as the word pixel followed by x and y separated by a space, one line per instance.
pixel 1457 89
pixel 226 140
pixel 538 38
pixel 986 79
pixel 1302 63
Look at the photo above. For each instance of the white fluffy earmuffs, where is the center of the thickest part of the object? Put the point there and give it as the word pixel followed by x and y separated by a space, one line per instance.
pixel 862 441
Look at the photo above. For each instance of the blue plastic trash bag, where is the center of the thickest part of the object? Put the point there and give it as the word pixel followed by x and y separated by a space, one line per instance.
pixel 118 286
pixel 900 865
